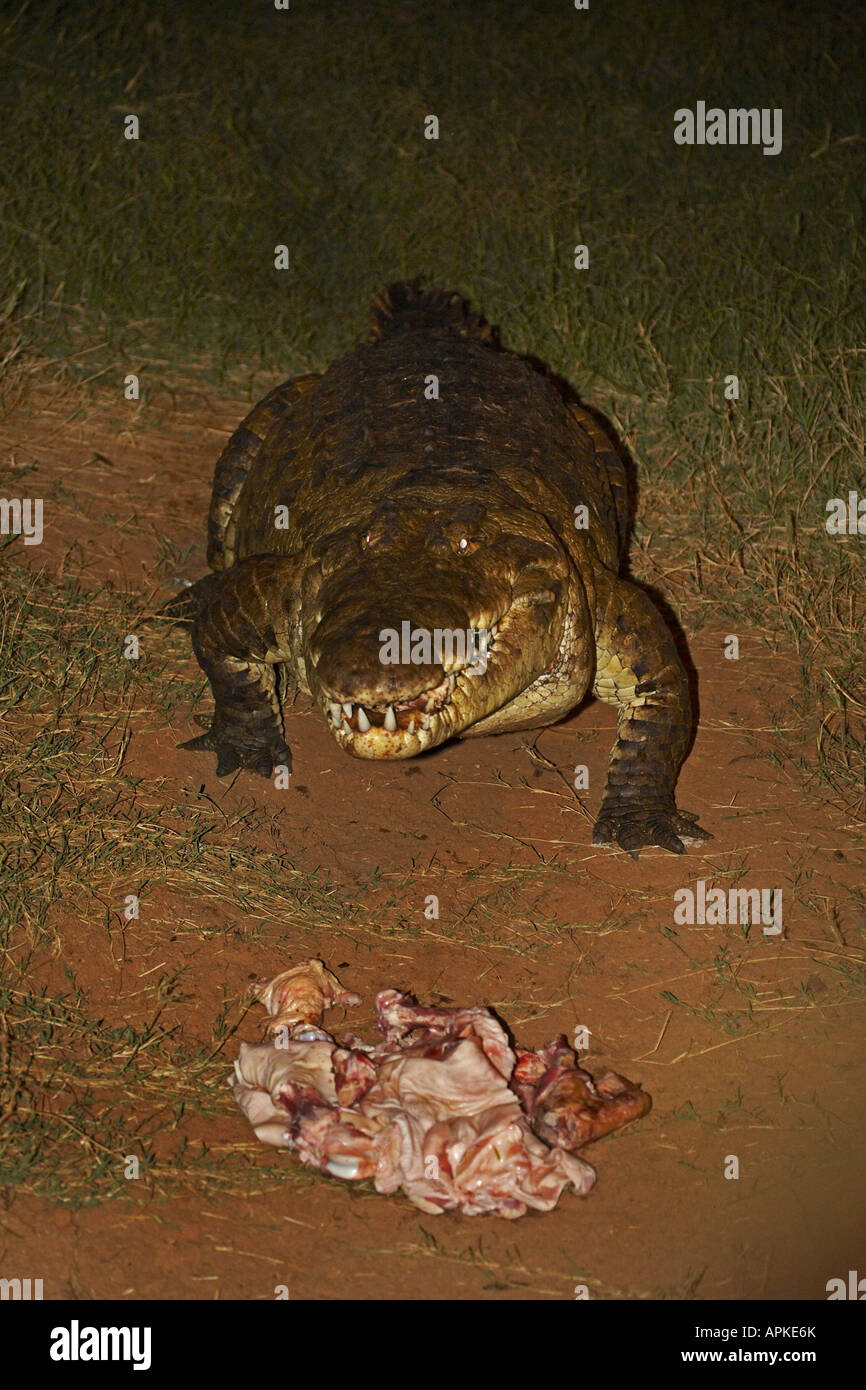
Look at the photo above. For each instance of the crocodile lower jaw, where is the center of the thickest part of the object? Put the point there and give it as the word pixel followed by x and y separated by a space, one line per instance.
pixel 407 727
pixel 461 699
pixel 400 730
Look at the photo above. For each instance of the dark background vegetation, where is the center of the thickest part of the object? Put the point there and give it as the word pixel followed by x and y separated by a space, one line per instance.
pixel 305 126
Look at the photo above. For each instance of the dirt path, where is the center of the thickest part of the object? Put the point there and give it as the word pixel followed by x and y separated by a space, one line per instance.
pixel 749 1044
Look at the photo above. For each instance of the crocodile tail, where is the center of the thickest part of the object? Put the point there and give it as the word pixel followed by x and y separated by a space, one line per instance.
pixel 405 307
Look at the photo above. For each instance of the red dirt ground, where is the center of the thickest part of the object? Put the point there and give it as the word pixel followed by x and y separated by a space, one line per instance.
pixel 749 1045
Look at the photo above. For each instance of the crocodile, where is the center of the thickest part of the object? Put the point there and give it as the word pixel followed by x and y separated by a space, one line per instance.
pixel 431 482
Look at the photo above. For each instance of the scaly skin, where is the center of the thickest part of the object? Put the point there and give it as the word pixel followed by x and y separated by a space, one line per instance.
pixel 350 503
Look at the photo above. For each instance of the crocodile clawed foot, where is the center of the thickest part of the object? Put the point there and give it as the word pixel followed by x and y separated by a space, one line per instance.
pixel 262 757
pixel 636 827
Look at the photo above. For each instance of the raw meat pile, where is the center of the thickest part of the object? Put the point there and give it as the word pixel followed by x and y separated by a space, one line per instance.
pixel 442 1107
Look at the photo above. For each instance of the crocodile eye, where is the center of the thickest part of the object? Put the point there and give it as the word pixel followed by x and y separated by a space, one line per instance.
pixel 464 533
pixel 465 542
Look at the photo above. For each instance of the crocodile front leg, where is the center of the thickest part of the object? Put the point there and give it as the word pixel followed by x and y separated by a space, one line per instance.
pixel 638 670
pixel 239 636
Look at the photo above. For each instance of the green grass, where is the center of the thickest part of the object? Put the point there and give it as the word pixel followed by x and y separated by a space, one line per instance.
pixel 555 128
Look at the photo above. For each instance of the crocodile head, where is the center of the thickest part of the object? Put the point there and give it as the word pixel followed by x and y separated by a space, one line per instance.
pixel 421 620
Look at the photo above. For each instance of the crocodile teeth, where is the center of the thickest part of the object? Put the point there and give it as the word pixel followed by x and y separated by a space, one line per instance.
pixel 347 709
pixel 410 727
pixel 390 720
pixel 335 711
pixel 363 721
pixel 425 721
pixel 452 681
